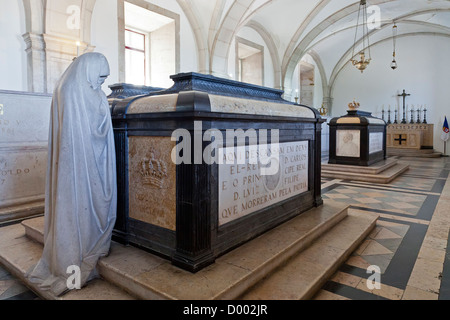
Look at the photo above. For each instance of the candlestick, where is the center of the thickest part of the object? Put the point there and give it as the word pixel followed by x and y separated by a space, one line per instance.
pixel 425 114
pixel 418 115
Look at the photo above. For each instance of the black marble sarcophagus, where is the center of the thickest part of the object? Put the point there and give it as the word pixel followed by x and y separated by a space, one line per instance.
pixel 357 138
pixel 192 182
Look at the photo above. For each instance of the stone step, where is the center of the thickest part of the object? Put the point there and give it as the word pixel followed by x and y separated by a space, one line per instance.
pixel 19 253
pixel 385 176
pixel 34 229
pixel 147 276
pixel 20 212
pixel 304 274
pixel 376 168
pixel 422 153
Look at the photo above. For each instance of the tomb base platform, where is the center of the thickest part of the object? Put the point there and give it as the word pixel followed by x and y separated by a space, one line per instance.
pixel 416 153
pixel 291 261
pixel 381 172
pixel 20 212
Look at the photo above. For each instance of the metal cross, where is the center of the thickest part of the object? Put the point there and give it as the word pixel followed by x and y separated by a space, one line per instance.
pixel 404 95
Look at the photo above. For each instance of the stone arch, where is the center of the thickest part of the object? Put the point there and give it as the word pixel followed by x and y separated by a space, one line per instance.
pixel 200 41
pixel 53 8
pixel 291 47
pixel 323 77
pixel 51 46
pixel 35 45
pixel 222 42
pixel 87 7
pixel 411 34
pixel 291 62
pixel 34 15
pixel 347 55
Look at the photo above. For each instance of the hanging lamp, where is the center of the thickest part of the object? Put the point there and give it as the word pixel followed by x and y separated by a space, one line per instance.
pixel 364 61
pixel 394 36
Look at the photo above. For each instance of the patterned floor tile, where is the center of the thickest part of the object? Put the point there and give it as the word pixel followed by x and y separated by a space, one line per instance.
pixel 398 236
pixel 5 285
pixel 374 248
pixel 385 233
pixel 394 201
pixel 13 289
pixel 413 183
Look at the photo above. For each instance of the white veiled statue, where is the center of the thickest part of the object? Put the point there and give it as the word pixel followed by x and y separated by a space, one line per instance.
pixel 81 191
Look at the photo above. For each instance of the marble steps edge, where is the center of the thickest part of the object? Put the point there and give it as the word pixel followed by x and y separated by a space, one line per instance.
pixel 111 271
pixel 383 177
pixel 373 169
pixel 410 150
pixel 21 211
pixel 19 253
pixel 420 153
pixel 433 155
pixel 301 278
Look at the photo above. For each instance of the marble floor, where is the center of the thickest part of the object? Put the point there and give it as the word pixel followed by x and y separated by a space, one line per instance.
pixel 408 246
pixel 13 289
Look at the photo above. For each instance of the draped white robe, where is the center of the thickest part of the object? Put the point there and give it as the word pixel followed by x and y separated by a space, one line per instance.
pixel 81 190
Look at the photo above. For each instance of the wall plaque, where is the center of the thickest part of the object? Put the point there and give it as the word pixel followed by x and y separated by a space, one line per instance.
pixel 245 189
pixel 348 143
pixel 375 142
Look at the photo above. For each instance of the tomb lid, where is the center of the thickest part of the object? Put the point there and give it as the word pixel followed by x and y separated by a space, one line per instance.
pixel 125 90
pixel 207 93
pixel 357 117
pixel 214 85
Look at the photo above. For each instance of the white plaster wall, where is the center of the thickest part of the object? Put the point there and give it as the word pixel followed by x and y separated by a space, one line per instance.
pixel 13 63
pixel 423 72
pixel 105 38
pixel 162 55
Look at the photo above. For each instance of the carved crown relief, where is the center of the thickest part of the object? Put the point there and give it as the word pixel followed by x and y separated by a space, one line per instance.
pixel 153 171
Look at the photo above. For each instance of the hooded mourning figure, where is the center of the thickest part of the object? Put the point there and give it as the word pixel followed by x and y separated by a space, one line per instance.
pixel 81 191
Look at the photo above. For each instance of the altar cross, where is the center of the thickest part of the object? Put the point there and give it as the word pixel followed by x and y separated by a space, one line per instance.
pixel 404 95
pixel 400 139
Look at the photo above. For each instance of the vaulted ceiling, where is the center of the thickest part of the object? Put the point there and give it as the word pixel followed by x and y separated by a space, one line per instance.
pixel 325 29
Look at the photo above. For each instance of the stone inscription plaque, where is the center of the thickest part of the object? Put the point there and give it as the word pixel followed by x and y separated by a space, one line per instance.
pixel 348 143
pixel 152 181
pixel 375 142
pixel 244 189
pixel 22 176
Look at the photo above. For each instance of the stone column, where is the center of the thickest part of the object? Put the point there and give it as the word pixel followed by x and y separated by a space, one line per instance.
pixel 328 104
pixel 36 62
